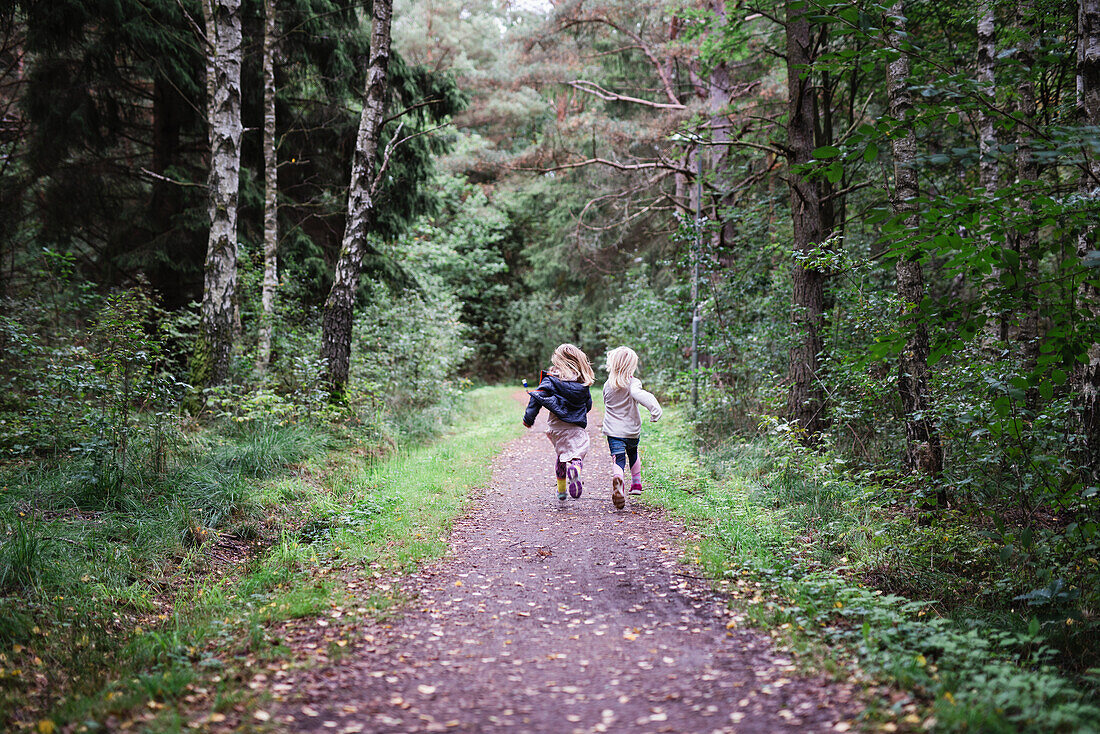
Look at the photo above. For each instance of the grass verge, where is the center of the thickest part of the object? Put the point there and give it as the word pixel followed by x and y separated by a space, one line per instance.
pixel 157 611
pixel 756 539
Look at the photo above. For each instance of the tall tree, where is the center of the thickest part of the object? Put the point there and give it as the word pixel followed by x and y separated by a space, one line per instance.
pixel 806 398
pixel 210 363
pixel 1088 101
pixel 988 164
pixel 338 315
pixel 923 450
pixel 1027 175
pixel 271 193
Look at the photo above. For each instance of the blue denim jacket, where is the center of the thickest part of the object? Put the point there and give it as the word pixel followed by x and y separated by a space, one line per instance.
pixel 569 401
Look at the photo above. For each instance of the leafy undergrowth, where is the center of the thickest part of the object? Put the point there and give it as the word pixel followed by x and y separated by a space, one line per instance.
pixel 158 608
pixel 810 557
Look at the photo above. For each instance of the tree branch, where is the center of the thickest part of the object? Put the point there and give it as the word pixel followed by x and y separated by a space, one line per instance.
pixel 410 108
pixel 611 164
pixel 391 147
pixel 670 90
pixel 177 182
pixel 598 91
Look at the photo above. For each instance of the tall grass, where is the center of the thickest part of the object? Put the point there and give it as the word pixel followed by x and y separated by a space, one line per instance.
pixel 110 589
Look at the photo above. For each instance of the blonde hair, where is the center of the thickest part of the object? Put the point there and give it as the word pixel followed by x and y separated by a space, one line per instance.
pixel 621 363
pixel 572 364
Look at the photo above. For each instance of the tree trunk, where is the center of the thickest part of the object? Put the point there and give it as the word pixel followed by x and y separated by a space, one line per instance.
pixel 271 195
pixel 719 95
pixel 806 399
pixel 1088 100
pixel 923 450
pixel 1027 173
pixel 337 321
pixel 210 364
pixel 988 168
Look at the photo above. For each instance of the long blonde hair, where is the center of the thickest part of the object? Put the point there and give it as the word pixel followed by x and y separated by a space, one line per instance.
pixel 621 363
pixel 572 364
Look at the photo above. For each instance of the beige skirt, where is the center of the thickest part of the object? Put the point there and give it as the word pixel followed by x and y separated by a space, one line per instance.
pixel 570 441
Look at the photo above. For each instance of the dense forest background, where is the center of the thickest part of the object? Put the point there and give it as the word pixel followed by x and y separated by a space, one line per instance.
pixel 879 221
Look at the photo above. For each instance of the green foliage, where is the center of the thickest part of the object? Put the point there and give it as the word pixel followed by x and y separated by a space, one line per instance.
pixel 780 520
pixel 92 397
pixel 131 603
pixel 649 321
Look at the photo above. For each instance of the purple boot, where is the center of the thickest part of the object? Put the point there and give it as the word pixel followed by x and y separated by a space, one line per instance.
pixel 573 478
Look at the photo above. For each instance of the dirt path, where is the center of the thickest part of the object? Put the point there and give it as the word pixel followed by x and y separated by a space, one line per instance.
pixel 562 617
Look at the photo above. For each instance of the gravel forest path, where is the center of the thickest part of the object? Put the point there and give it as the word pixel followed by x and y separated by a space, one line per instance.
pixel 559 617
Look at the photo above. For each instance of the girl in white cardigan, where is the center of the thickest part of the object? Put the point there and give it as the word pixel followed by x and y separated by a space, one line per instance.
pixel 622 393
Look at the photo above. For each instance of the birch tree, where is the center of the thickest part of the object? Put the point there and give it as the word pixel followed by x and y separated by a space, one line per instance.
pixel 1027 175
pixel 923 450
pixel 271 194
pixel 1088 101
pixel 805 399
pixel 339 306
pixel 988 166
pixel 210 365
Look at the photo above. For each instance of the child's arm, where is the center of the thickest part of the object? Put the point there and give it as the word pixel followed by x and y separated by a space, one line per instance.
pixel 532 411
pixel 646 398
pixel 533 404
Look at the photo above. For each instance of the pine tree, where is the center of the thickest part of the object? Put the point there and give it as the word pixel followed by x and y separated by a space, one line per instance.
pixel 805 399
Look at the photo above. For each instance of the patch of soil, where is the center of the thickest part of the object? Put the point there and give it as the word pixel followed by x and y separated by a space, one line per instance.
pixel 553 616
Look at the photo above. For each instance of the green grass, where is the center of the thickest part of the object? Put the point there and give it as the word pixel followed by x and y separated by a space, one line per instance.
pixel 126 606
pixel 798 543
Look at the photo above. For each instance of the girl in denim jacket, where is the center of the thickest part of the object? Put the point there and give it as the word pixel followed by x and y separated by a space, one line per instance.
pixel 565 395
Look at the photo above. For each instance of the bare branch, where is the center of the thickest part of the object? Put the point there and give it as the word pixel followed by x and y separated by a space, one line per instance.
pixel 392 146
pixel 199 30
pixel 175 181
pixel 666 82
pixel 660 165
pixel 410 108
pixel 598 91
pixel 619 223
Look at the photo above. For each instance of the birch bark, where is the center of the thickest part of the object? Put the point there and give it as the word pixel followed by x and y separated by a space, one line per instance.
pixel 805 399
pixel 271 195
pixel 1088 101
pixel 339 306
pixel 988 169
pixel 1027 173
pixel 923 451
pixel 210 364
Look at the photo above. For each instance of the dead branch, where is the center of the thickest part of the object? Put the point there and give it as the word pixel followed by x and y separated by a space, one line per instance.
pixel 166 179
pixel 605 94
pixel 411 108
pixel 199 31
pixel 611 164
pixel 391 147
pixel 666 82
